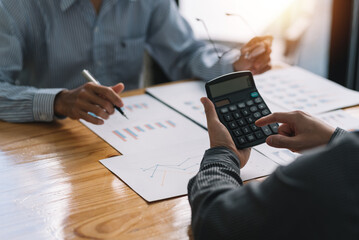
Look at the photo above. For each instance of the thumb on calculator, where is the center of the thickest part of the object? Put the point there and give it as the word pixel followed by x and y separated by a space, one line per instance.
pixel 219 135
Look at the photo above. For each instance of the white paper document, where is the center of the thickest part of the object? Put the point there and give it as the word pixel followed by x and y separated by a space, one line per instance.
pixel 161 149
pixel 294 88
pixel 151 126
pixel 280 156
pixel 340 118
pixel 184 97
pixel 164 174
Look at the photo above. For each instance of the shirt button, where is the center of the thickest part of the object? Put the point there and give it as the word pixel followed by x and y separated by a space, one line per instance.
pixel 99 63
pixel 96 29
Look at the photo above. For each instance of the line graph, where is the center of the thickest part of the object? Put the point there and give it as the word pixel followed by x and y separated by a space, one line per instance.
pixel 182 167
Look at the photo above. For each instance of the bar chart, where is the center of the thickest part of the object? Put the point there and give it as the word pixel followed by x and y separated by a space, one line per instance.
pixel 135 106
pixel 136 131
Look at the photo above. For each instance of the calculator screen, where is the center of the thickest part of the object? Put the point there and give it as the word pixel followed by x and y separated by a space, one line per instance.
pixel 229 86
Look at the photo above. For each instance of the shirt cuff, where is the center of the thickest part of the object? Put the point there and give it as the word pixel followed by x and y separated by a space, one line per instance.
pixel 223 154
pixel 337 134
pixel 43 104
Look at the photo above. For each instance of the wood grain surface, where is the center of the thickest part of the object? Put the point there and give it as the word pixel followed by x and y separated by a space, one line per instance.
pixel 52 186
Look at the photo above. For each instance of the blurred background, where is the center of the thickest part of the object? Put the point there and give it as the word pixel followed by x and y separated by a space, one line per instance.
pixel 318 35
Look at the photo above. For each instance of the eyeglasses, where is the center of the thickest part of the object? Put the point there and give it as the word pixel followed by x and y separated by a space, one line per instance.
pixel 220 55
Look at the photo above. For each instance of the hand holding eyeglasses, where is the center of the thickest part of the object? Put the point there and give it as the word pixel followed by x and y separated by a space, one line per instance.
pixel 255 55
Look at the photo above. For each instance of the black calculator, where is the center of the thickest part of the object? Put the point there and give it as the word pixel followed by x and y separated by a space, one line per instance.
pixel 238 105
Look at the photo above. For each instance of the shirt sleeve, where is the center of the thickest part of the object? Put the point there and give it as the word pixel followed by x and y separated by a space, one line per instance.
pixel 315 197
pixel 338 133
pixel 19 103
pixel 172 44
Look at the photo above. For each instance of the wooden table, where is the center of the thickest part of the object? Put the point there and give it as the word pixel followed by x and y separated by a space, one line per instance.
pixel 52 186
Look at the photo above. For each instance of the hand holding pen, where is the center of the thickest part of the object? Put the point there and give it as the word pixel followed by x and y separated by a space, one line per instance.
pixel 256 47
pixel 255 55
pixel 88 98
pixel 90 78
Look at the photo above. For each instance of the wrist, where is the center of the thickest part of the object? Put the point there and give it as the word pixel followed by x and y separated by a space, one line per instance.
pixel 59 105
pixel 337 133
pixel 222 151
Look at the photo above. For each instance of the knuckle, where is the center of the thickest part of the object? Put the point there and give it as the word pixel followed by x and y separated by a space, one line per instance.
pixel 108 106
pixel 88 85
pixel 82 92
pixel 299 113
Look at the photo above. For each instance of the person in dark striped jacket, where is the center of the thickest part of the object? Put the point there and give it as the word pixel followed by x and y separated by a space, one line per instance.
pixel 315 197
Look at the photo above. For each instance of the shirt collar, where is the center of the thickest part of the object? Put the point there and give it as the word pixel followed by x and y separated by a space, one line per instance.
pixel 65 4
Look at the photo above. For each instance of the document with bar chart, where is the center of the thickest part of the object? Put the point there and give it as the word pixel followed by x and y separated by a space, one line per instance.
pixel 151 126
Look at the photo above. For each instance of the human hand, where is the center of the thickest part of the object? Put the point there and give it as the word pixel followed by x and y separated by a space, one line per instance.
pixel 298 132
pixel 219 135
pixel 89 97
pixel 255 55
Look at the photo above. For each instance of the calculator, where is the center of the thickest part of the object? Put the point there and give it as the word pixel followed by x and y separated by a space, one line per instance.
pixel 238 105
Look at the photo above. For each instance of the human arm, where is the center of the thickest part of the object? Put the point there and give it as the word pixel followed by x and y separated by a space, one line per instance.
pixel 20 103
pixel 172 43
pixel 308 199
pixel 24 96
pixel 298 131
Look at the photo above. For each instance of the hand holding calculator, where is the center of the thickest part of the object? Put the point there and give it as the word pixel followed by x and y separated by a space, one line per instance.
pixel 238 105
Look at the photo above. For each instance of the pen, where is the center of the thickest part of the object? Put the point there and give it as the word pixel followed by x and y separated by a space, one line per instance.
pixel 90 78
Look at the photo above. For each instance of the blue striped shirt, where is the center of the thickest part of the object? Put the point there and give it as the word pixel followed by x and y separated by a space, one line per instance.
pixel 45 44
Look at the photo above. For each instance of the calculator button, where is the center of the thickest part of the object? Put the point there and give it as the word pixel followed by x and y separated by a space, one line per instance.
pixel 266 130
pixel 274 127
pixel 232 108
pixel 236 115
pixel 257 115
pixel 259 134
pixel 250 103
pixel 237 132
pixel 262 106
pixel 241 105
pixel 224 110
pixel 241 122
pixel 254 127
pixel 232 125
pixel 228 117
pixel 254 94
pixel 246 130
pixel 241 140
pixel 253 109
pixel 250 138
pixel 258 100
pixel 250 119
pixel 245 112
pixel 265 112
